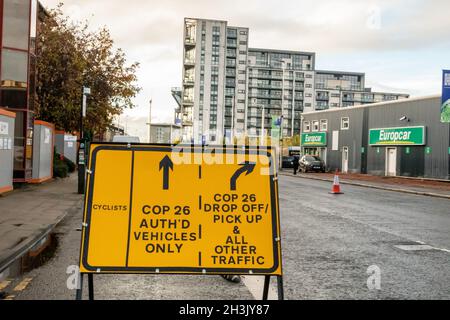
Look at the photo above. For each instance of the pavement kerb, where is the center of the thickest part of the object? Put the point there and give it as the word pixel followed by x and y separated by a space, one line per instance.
pixel 430 194
pixel 27 245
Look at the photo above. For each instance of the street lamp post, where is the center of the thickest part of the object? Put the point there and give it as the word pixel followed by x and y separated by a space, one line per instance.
pixel 82 149
pixel 283 68
pixel 262 124
pixel 281 143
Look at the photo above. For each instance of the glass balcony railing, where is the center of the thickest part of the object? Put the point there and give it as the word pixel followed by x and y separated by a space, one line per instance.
pixel 188 100
pixel 189 41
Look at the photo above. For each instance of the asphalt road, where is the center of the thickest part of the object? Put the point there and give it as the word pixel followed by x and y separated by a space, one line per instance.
pixel 329 242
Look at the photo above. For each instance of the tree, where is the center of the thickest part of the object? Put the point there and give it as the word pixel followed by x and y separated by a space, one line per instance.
pixel 70 56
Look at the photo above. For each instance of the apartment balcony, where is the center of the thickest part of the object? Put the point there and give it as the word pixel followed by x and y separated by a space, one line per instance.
pixel 348 98
pixel 231 63
pixel 188 101
pixel 189 62
pixel 189 42
pixel 321 107
pixel 231 43
pixel 231 73
pixel 322 97
pixel 231 33
pixel 188 82
pixel 231 54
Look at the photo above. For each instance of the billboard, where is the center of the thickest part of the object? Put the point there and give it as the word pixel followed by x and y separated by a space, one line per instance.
pixel 445 106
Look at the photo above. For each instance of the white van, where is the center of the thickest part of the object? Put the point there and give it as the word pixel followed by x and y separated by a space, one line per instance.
pixel 126 139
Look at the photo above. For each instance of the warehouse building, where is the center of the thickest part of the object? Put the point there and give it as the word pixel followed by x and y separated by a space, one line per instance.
pixel 397 138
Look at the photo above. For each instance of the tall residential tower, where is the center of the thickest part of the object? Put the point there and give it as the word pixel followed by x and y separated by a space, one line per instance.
pixel 230 90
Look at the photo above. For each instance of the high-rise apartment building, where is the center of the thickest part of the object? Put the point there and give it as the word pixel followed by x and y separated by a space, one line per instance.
pixel 214 80
pixel 280 83
pixel 231 90
pixel 19 27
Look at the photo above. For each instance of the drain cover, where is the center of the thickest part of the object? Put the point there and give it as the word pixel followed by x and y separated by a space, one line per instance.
pixel 414 247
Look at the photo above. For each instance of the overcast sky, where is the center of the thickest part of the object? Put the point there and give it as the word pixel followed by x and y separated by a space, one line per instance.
pixel 401 45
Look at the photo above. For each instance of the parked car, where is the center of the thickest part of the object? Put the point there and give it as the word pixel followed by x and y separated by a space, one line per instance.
pixel 311 163
pixel 288 162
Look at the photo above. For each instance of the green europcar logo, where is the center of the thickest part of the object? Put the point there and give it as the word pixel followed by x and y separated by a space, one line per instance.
pixel 445 111
pixel 314 139
pixel 397 136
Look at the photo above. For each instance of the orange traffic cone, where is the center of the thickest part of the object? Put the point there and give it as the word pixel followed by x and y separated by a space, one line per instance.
pixel 336 189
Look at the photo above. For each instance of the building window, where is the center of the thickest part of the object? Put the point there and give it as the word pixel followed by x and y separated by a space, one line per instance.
pixel 345 123
pixel 14 68
pixel 306 126
pixel 323 125
pixel 16 24
pixel 315 126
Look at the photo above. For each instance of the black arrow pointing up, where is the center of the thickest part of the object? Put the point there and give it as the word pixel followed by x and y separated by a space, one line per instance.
pixel 167 164
pixel 247 167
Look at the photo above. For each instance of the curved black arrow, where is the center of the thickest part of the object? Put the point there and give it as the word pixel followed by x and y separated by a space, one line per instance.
pixel 247 167
pixel 167 164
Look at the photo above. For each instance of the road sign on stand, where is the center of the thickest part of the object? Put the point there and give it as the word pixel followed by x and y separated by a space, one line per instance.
pixel 184 209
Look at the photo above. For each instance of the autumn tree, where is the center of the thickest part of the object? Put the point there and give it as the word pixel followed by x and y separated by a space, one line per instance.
pixel 71 56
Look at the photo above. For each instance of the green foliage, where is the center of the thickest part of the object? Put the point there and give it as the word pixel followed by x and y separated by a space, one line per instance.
pixel 60 168
pixel 70 57
pixel 70 165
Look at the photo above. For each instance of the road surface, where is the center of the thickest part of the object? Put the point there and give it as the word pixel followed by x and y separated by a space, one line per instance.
pixel 329 242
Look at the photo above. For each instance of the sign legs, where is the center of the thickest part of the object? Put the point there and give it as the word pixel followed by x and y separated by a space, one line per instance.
pixel 79 294
pixel 279 285
pixel 91 286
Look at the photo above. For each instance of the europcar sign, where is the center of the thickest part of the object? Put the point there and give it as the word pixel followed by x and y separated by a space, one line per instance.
pixel 397 136
pixel 316 139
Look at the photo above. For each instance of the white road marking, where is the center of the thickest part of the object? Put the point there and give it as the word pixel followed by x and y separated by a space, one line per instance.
pixel 415 247
pixel 255 284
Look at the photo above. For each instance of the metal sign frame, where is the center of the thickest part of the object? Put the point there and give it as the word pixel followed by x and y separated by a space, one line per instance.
pixel 225 149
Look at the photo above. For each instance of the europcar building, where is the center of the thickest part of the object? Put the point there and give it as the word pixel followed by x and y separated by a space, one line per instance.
pixel 398 138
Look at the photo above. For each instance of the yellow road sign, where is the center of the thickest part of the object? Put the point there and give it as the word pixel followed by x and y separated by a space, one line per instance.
pixel 183 209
